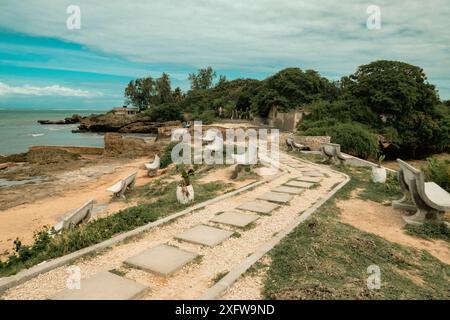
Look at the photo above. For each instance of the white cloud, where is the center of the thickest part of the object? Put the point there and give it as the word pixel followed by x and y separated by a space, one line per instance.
pixel 55 90
pixel 249 35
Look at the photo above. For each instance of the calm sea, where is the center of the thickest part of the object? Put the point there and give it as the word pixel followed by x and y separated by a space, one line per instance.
pixel 19 130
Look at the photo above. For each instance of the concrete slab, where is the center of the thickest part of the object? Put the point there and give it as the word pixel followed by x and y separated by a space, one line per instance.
pixel 299 184
pixel 309 179
pixel 103 286
pixel 235 218
pixel 162 259
pixel 312 174
pixel 288 190
pixel 276 197
pixel 263 207
pixel 204 235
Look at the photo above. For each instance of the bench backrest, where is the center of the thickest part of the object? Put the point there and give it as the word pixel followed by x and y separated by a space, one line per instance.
pixel 331 149
pixel 410 176
pixel 130 179
pixel 78 215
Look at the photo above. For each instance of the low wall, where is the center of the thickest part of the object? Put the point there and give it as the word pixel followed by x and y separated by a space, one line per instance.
pixel 71 149
pixel 313 142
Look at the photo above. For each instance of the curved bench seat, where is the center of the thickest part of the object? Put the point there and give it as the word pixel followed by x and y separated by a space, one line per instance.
pixel 427 199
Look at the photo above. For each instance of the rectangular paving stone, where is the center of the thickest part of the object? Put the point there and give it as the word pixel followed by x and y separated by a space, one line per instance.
pixel 204 235
pixel 309 179
pixel 103 286
pixel 263 207
pixel 312 174
pixel 299 184
pixel 162 259
pixel 235 218
pixel 288 190
pixel 276 197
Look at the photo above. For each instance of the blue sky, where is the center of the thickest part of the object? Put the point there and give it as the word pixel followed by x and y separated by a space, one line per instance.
pixel 43 64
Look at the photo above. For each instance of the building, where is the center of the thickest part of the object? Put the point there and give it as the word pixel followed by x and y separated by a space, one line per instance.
pixel 125 111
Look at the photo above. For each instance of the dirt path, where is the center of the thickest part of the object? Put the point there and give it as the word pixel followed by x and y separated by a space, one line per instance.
pixel 195 278
pixel 387 223
pixel 73 188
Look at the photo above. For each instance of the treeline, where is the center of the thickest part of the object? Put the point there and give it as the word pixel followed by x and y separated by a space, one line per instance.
pixel 384 107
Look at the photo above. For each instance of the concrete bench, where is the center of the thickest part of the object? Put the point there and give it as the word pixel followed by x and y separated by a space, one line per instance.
pixel 427 199
pixel 123 185
pixel 332 151
pixel 152 168
pixel 76 217
pixel 292 145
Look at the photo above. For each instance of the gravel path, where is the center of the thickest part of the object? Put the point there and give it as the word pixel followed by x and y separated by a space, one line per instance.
pixel 195 278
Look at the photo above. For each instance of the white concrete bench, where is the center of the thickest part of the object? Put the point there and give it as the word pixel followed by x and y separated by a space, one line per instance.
pixel 123 185
pixel 75 217
pixel 332 151
pixel 292 145
pixel 427 199
pixel 152 168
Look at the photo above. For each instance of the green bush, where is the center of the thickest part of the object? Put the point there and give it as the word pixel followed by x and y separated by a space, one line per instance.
pixel 438 171
pixel 164 112
pixel 166 157
pixel 354 138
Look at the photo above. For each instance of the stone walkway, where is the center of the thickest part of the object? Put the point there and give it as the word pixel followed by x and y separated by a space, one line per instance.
pixel 182 259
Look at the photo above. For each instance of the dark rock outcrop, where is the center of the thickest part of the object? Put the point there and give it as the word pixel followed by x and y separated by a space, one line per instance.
pixel 70 120
pixel 123 124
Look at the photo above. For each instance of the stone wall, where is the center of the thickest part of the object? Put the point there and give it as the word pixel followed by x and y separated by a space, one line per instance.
pixel 118 145
pixel 48 156
pixel 313 142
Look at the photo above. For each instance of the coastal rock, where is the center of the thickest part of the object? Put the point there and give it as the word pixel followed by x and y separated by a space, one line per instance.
pixel 70 120
pixel 118 145
pixel 123 124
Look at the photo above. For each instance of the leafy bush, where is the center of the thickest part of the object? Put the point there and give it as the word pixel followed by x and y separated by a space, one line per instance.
pixel 438 171
pixel 354 138
pixel 166 157
pixel 165 112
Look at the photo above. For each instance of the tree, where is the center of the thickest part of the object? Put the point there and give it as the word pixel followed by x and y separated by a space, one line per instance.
pixel 163 89
pixel 405 103
pixel 291 88
pixel 140 92
pixel 203 79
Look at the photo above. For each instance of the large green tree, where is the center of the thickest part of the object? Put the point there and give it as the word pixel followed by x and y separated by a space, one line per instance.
pixel 203 79
pixel 140 92
pixel 292 88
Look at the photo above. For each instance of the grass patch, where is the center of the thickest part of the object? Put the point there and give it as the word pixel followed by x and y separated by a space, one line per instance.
pixel 45 247
pixel 324 258
pixel 219 276
pixel 429 231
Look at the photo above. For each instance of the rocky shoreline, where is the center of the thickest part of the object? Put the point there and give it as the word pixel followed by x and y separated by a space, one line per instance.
pixel 70 120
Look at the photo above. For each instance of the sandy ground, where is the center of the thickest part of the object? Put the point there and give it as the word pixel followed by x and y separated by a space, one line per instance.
pixel 194 279
pixel 387 223
pixel 65 192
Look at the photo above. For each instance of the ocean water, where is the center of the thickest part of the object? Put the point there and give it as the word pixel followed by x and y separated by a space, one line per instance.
pixel 19 130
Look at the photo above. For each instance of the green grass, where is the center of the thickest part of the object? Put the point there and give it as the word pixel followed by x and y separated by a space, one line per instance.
pixel 219 276
pixel 324 258
pixel 429 231
pixel 159 200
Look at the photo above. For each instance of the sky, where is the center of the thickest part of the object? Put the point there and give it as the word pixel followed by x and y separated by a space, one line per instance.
pixel 45 64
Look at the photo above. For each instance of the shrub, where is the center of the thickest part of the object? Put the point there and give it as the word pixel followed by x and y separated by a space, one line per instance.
pixel 166 157
pixel 354 138
pixel 438 171
pixel 165 112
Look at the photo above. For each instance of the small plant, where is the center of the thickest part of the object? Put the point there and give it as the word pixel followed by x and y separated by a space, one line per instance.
pixel 186 175
pixel 380 160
